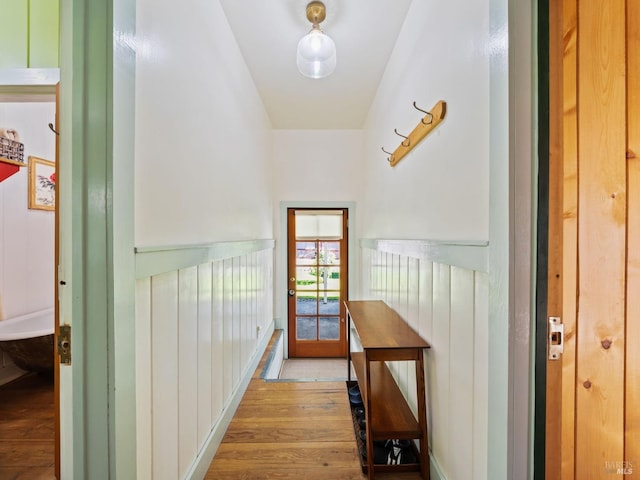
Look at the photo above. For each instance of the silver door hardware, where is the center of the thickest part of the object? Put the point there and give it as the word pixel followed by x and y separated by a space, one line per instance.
pixel 556 338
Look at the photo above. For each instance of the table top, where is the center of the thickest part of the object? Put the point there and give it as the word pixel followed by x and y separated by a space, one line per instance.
pixel 379 326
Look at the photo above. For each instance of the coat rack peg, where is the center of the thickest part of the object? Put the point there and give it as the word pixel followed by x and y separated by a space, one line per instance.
pixel 390 157
pixel 426 113
pixel 400 135
pixel 421 130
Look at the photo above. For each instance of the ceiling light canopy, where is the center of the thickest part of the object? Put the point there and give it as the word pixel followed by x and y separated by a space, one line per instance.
pixel 316 50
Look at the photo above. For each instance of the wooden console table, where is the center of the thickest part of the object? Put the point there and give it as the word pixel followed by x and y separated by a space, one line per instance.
pixel 377 334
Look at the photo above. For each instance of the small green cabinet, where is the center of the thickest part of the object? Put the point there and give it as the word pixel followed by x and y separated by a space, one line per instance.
pixel 44 34
pixel 30 34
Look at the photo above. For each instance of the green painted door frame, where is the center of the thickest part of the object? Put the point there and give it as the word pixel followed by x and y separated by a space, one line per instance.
pixel 97 84
pixel 512 179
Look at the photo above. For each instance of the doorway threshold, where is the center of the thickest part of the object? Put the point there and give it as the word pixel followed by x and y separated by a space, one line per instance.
pixel 313 370
pixel 279 369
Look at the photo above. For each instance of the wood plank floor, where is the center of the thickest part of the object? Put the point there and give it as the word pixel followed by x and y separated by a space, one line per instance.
pixel 291 431
pixel 281 430
pixel 27 429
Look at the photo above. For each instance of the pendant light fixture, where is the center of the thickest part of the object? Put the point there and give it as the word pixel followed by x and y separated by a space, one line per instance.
pixel 316 50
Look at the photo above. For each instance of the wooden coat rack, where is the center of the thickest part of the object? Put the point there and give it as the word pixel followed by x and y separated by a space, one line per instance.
pixel 430 121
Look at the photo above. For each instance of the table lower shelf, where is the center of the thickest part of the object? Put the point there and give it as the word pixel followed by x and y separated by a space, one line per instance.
pixel 408 457
pixel 391 416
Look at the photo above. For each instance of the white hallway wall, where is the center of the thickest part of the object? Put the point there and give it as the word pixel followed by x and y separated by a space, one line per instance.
pixel 441 189
pixel 202 176
pixel 203 139
pixel 313 167
pixel 450 51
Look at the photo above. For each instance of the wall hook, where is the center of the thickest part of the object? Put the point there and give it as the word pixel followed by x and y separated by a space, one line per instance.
pixel 400 135
pixel 424 111
pixel 390 157
pixel 53 129
pixel 420 131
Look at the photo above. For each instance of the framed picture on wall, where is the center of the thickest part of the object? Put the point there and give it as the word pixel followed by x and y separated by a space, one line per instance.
pixel 42 184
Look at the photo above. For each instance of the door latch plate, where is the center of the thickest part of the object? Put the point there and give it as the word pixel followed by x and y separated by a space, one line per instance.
pixel 556 338
pixel 64 344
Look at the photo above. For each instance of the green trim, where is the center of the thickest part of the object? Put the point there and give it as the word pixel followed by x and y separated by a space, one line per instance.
pixel 155 260
pixel 92 313
pixel 471 255
pixel 96 248
pixel 121 228
pixel 501 252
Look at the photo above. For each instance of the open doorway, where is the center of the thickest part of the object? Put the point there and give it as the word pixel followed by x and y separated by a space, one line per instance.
pixel 317 281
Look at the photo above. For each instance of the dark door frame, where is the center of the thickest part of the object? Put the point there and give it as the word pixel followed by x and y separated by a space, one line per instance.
pixel 542 245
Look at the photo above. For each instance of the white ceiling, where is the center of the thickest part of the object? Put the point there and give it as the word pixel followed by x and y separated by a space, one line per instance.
pixel 268 32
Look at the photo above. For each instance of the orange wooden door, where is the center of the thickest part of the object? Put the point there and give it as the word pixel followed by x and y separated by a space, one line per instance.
pixel 593 387
pixel 56 362
pixel 632 304
pixel 317 282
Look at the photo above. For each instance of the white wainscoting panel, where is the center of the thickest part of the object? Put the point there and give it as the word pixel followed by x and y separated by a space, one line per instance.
pixel 204 341
pixel 144 427
pixel 164 375
pixel 199 332
pixel 187 367
pixel 441 290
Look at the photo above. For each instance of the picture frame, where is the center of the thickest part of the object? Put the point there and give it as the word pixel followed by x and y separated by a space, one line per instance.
pixel 42 184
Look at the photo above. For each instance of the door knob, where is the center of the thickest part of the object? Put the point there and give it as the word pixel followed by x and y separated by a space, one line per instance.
pixel 292 292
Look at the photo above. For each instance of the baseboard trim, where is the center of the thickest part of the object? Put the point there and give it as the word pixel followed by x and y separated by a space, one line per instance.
pixel 434 469
pixel 204 458
pixel 275 358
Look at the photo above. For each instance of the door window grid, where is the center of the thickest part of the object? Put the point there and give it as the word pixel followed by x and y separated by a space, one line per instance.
pixel 318 290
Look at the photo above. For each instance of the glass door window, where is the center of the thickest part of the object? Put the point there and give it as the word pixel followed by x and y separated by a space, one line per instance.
pixel 317 283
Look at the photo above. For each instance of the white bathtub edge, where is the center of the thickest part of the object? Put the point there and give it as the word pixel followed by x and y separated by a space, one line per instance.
pixel 8 330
